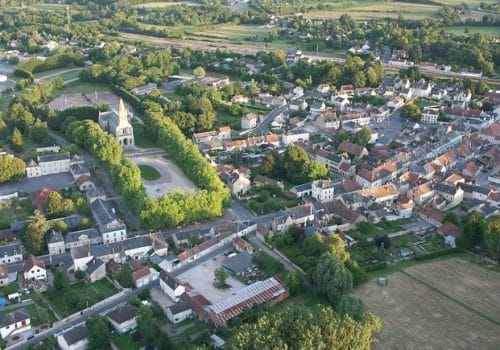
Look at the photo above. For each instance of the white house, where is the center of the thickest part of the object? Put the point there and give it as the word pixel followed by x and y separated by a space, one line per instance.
pixel 48 164
pixel 294 136
pixel 340 102
pixel 171 286
pixel 430 114
pixel 111 228
pixel 317 107
pixel 298 91
pixel 249 121
pixel 11 253
pixel 34 269
pixel 14 322
pixel 74 339
pixel 123 318
pixel 179 312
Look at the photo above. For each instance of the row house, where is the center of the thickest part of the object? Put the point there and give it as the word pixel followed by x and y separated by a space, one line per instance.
pixel 328 120
pixel 298 215
pixel 380 175
pixel 222 134
pixel 430 114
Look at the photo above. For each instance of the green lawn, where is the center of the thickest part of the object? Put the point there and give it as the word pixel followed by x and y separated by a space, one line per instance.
pixel 126 342
pixel 140 137
pixel 224 118
pixel 79 87
pixel 267 264
pixel 80 295
pixel 149 173
pixel 460 30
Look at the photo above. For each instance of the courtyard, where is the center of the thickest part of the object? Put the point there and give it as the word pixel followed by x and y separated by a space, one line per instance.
pixel 201 277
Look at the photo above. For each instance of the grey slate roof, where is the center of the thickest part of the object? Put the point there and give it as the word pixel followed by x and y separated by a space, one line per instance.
pixel 11 249
pixel 239 263
pixel 10 318
pixel 76 334
pixel 103 214
pixel 179 307
pixel 53 157
pixel 93 265
pixel 171 281
pixel 73 236
pixel 123 313
pixel 54 237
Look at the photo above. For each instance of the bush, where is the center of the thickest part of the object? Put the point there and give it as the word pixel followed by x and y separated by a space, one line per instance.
pixel 437 254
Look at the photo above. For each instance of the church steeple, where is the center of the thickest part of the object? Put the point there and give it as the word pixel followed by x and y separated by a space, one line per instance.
pixel 122 113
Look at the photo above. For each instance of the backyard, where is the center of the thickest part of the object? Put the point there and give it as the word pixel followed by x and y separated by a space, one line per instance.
pixel 268 199
pixel 15 209
pixel 79 296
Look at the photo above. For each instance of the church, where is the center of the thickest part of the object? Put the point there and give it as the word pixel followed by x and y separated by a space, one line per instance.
pixel 117 124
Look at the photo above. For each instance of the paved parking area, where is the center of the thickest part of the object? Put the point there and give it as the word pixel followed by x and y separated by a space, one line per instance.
pixel 28 185
pixel 160 297
pixel 201 278
pixel 172 176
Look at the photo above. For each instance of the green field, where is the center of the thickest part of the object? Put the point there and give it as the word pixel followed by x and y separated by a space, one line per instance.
pixel 381 10
pixel 79 87
pixel 460 30
pixel 149 173
pixel 469 3
pixel 65 74
pixel 79 296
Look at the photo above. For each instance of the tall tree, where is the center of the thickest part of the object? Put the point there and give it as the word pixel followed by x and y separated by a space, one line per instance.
pixel 16 140
pixel 299 327
pixel 11 168
pixel 492 237
pixel 99 332
pixel 55 206
pixel 145 323
pixel 332 278
pixel 221 276
pixel 199 72
pixel 35 232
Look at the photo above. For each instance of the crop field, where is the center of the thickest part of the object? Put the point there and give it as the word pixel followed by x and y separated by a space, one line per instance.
pixel 381 10
pixel 469 3
pixel 469 283
pixel 231 32
pixel 436 305
pixel 460 30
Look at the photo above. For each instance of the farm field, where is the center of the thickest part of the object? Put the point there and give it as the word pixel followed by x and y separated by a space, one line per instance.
pixel 461 278
pixel 469 3
pixel 381 10
pixel 426 315
pixel 162 4
pixel 460 30
pixel 231 32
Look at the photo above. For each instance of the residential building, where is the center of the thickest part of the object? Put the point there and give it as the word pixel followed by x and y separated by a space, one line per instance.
pixel 74 339
pixel 249 121
pixel 48 164
pixel 327 119
pixel 14 322
pixel 117 124
pixel 221 134
pixel 317 107
pixel 123 318
pixel 144 89
pixel 237 183
pixel 34 269
pixel 171 286
pixel 320 190
pixel 430 114
pixel 298 215
pixel 4 275
pixel 293 136
pixel 111 228
pixel 179 312
pixel 238 264
pixel 353 149
pixel 82 238
pixel 55 243
pixel 142 276
pixel 96 270
pixel 11 253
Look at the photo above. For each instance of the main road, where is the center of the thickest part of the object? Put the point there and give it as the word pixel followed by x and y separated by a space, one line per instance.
pixel 252 50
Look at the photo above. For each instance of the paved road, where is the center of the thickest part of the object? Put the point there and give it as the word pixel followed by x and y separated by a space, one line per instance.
pixel 93 311
pixel 204 46
pixel 268 119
